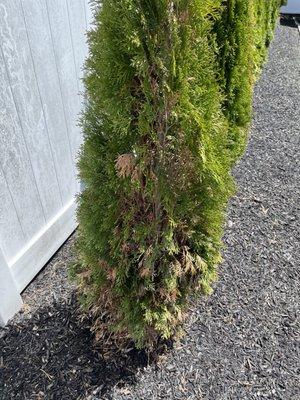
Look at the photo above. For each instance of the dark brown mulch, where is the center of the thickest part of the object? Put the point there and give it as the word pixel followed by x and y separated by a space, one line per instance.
pixel 52 356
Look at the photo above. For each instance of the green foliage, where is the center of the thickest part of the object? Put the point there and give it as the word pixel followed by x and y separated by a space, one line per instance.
pixel 243 32
pixel 169 86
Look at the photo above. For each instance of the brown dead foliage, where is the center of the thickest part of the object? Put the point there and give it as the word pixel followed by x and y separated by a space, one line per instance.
pixel 125 164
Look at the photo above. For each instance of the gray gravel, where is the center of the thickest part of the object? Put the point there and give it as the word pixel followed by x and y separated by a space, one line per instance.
pixel 242 342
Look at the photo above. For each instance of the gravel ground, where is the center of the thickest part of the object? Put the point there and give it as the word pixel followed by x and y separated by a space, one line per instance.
pixel 242 342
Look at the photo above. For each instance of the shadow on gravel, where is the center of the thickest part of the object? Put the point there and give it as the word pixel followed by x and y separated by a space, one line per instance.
pixel 52 356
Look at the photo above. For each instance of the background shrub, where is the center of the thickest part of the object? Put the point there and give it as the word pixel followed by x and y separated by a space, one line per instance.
pixel 244 31
pixel 169 87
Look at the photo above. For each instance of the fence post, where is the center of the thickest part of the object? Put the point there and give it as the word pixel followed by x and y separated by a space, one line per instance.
pixel 10 299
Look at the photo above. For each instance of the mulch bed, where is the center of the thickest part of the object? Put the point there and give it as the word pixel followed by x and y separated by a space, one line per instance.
pixel 53 356
pixel 243 342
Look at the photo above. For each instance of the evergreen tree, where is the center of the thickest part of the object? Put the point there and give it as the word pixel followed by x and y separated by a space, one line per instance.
pixel 244 31
pixel 235 40
pixel 156 157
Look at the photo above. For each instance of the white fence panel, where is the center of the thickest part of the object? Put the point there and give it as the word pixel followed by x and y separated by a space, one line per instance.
pixel 42 50
pixel 10 299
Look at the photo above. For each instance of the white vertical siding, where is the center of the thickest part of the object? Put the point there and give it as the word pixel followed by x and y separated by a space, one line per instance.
pixel 10 299
pixel 65 61
pixel 15 162
pixel 78 25
pixel 88 12
pixel 59 129
pixel 42 50
pixel 14 238
pixel 25 92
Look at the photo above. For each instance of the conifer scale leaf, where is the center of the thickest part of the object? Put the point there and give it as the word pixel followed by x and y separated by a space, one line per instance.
pixel 169 90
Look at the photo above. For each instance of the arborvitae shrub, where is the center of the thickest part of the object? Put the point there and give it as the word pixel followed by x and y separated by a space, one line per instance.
pixel 243 31
pixel 167 83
